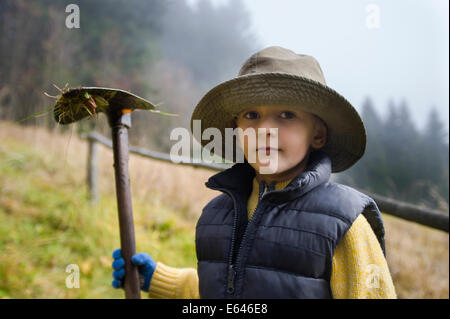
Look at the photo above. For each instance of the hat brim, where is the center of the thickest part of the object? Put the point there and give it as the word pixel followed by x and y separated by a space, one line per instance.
pixel 346 140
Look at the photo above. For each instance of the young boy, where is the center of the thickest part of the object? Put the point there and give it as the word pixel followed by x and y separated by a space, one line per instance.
pixel 284 233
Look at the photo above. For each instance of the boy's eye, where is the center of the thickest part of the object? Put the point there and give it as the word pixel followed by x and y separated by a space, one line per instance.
pixel 287 115
pixel 251 115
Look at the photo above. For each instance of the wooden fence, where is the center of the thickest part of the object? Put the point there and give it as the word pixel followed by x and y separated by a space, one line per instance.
pixel 422 215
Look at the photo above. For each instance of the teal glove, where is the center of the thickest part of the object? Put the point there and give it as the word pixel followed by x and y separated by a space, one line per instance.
pixel 146 266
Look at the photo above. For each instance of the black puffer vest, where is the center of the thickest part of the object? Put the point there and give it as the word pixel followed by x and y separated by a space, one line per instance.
pixel 286 249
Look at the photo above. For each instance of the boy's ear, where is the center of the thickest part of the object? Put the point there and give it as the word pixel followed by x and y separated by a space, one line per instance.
pixel 320 134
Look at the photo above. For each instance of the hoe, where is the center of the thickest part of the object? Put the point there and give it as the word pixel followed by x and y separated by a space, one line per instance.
pixel 73 105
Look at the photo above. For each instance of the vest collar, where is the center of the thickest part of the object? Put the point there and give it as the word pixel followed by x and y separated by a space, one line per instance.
pixel 239 178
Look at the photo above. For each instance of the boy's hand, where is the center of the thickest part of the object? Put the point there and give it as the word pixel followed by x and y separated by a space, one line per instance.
pixel 146 266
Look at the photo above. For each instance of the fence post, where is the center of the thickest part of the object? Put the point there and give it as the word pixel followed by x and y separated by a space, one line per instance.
pixel 92 170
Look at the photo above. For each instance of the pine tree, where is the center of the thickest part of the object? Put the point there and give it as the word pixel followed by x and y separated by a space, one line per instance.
pixel 436 161
pixel 370 171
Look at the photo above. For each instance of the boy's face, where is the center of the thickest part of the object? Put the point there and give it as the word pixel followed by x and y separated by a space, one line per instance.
pixel 297 131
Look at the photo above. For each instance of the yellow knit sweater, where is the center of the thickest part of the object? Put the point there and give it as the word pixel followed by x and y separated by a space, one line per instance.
pixel 359 267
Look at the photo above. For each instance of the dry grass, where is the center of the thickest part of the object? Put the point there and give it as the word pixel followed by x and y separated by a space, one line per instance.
pixel 418 256
pixel 418 259
pixel 180 186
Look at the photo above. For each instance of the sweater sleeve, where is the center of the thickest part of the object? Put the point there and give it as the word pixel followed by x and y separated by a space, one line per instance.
pixel 359 267
pixel 174 283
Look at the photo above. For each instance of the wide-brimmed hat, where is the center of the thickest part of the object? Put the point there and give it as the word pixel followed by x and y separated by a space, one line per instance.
pixel 276 76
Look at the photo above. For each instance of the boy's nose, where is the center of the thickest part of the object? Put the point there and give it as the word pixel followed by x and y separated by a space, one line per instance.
pixel 267 132
pixel 267 122
pixel 267 127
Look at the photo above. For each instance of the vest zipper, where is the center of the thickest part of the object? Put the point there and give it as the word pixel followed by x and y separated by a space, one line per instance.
pixel 232 270
pixel 231 275
pixel 244 237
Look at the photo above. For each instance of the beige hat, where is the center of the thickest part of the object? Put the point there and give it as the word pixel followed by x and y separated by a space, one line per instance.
pixel 278 76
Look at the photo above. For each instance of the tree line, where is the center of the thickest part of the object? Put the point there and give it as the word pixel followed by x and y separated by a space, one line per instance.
pixel 401 161
pixel 165 51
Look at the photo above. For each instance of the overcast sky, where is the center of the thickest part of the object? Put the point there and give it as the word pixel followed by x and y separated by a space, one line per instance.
pixel 390 50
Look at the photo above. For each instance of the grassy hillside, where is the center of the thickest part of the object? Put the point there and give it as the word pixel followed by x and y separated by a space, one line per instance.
pixel 46 223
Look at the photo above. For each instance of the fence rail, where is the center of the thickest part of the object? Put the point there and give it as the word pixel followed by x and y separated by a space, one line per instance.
pixel 422 215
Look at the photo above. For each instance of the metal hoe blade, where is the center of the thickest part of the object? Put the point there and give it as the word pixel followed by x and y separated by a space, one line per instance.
pixel 81 102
